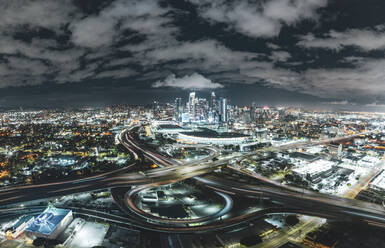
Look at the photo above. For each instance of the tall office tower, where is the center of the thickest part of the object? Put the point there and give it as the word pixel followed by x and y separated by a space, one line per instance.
pixel 253 114
pixel 213 108
pixel 192 105
pixel 223 110
pixel 178 109
pixel 281 114
pixel 201 109
pixel 155 109
pixel 246 116
pixel 230 113
pixel 213 102
pixel 211 117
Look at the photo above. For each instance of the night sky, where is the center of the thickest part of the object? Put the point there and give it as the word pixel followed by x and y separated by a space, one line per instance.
pixel 57 53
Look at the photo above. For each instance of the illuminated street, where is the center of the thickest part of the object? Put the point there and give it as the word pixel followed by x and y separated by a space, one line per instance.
pixel 192 124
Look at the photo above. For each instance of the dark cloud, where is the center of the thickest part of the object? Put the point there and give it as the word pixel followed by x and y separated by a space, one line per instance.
pixel 304 48
pixel 259 18
pixel 365 39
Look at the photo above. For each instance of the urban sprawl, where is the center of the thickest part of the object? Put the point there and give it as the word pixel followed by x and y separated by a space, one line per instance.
pixel 177 173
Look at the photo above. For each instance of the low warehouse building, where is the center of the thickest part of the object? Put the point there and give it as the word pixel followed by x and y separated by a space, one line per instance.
pixel 50 223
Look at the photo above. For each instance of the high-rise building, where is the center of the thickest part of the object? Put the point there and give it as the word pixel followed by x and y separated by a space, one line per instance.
pixel 201 109
pixel 223 110
pixel 192 105
pixel 213 108
pixel 213 102
pixel 155 109
pixel 253 114
pixel 185 117
pixel 178 109
pixel 246 115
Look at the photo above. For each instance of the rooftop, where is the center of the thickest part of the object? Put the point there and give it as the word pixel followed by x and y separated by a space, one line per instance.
pixel 208 133
pixel 303 155
pixel 21 221
pixel 379 180
pixel 47 221
pixel 169 126
pixel 314 167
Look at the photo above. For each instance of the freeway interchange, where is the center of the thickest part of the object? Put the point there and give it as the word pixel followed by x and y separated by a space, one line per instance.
pixel 303 201
pixel 294 200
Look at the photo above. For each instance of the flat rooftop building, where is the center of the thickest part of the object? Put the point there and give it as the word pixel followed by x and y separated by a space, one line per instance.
pixel 169 129
pixel 17 228
pixel 207 136
pixel 50 223
pixel 304 156
pixel 378 182
pixel 314 170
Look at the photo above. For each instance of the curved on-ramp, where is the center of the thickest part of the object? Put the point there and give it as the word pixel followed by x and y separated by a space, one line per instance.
pixel 130 196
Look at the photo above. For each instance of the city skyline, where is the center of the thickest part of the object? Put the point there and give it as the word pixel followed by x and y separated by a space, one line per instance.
pixel 323 53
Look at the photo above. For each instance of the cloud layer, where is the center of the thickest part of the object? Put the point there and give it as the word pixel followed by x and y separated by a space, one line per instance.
pixel 139 44
pixel 194 81
pixel 365 39
pixel 261 19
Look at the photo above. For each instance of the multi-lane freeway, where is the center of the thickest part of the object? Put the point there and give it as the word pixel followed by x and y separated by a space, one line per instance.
pixel 296 199
pixel 304 200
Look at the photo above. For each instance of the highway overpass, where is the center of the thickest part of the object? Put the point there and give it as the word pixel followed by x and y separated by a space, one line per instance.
pixel 300 200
